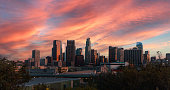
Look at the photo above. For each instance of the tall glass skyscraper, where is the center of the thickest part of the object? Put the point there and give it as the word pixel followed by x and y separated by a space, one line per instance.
pixel 133 56
pixel 70 53
pixel 94 57
pixel 36 56
pixel 113 54
pixel 57 50
pixel 139 45
pixel 88 51
pixel 79 51
pixel 120 54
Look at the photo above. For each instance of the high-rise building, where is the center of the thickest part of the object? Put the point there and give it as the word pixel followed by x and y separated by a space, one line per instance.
pixel 139 45
pixel 94 57
pixel 60 63
pixel 97 61
pixel 36 56
pixel 43 62
pixel 79 60
pixel 63 57
pixel 134 56
pixel 153 58
pixel 32 61
pixel 106 60
pixel 168 57
pixel 70 53
pixel 88 51
pixel 49 61
pixel 79 51
pixel 101 59
pixel 98 55
pixel 120 54
pixel 112 54
pixel 57 50
pixel 27 63
pixel 146 57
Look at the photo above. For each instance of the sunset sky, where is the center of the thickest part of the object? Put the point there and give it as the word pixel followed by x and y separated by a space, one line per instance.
pixel 33 24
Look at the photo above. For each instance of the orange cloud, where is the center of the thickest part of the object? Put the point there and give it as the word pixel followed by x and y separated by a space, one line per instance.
pixel 29 24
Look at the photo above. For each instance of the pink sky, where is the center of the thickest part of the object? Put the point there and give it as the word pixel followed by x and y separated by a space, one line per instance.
pixel 33 24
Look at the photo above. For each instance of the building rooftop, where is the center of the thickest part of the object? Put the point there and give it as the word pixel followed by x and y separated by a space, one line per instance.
pixel 47 80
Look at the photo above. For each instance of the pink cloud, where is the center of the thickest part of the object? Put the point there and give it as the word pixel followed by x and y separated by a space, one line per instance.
pixel 27 25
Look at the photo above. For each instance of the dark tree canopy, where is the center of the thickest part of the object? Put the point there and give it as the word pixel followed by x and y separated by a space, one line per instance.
pixel 10 77
pixel 147 78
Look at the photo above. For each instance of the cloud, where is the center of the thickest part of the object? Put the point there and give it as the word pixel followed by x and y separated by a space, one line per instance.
pixel 29 24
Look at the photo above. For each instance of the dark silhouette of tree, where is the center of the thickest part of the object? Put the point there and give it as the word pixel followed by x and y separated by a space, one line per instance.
pixel 40 87
pixel 150 77
pixel 10 78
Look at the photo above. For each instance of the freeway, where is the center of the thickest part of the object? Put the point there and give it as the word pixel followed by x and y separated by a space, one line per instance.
pixel 65 75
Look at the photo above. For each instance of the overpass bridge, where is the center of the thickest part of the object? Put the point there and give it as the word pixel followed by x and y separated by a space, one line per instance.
pixel 64 75
pixel 76 74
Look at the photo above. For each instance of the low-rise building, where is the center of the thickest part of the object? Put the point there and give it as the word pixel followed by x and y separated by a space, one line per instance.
pixel 37 72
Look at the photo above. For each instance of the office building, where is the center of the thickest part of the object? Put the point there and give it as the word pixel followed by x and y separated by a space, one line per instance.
pixel 133 56
pixel 36 56
pixel 153 58
pixel 63 56
pixel 88 51
pixel 49 61
pixel 112 54
pixel 120 55
pixel 57 50
pixel 102 59
pixel 43 62
pixel 27 63
pixel 139 45
pixel 146 57
pixel 168 57
pixel 79 51
pixel 79 60
pixel 70 53
pixel 94 57
pixel 106 60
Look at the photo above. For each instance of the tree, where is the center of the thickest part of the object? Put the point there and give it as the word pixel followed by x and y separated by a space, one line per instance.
pixel 10 78
pixel 40 87
pixel 131 78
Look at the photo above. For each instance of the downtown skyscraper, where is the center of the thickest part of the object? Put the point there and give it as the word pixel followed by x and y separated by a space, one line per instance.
pixel 133 56
pixel 57 50
pixel 139 45
pixel 36 56
pixel 70 53
pixel 88 51
pixel 120 54
pixel 94 57
pixel 79 51
pixel 113 54
pixel 146 57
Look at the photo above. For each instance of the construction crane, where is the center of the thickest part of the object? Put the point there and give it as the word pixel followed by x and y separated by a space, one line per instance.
pixel 159 54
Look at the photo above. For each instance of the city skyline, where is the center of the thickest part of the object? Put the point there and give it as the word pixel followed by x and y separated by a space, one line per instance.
pixel 27 25
pixel 115 54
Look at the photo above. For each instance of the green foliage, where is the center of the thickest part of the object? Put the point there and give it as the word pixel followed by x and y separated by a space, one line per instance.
pixel 82 88
pixel 10 78
pixel 40 87
pixel 130 78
